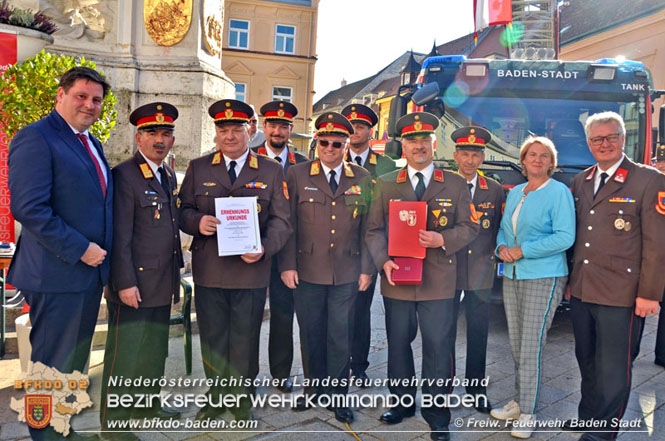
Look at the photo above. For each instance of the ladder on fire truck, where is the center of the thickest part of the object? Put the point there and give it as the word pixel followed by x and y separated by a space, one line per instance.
pixel 537 19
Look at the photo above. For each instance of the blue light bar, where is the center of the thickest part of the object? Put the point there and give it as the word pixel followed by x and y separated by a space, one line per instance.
pixel 444 59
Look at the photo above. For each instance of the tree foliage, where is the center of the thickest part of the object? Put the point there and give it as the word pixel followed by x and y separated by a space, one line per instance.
pixel 30 89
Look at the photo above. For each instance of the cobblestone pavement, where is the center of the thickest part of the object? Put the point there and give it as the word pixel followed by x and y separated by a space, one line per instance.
pixel 558 397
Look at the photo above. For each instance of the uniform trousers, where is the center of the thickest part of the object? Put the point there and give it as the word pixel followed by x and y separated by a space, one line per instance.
pixel 229 327
pixel 530 306
pixel 638 330
pixel 280 340
pixel 435 318
pixel 136 347
pixel 325 317
pixel 477 314
pixel 61 335
pixel 362 329
pixel 603 340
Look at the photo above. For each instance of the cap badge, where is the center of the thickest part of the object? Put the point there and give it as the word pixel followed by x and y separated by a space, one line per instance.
pixel 159 107
pixel 228 104
pixel 280 112
pixel 472 139
pixel 418 125
pixel 354 115
pixel 330 126
pixel 228 112
pixel 159 117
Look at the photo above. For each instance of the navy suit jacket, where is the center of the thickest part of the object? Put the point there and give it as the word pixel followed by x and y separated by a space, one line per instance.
pixel 57 198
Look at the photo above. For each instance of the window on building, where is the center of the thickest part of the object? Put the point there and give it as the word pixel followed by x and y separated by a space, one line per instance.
pixel 285 38
pixel 241 92
pixel 239 34
pixel 282 93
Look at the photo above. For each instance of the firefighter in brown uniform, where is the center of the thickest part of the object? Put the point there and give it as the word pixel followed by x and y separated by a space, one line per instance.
pixel 326 260
pixel 451 225
pixel 230 291
pixel 362 119
pixel 145 265
pixel 278 119
pixel 476 263
pixel 617 270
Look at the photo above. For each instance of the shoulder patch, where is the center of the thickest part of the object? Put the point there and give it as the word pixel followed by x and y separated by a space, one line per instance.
pixel 292 158
pixel 348 171
pixel 591 172
pixel 438 175
pixel 620 175
pixel 482 183
pixel 145 170
pixel 372 158
pixel 253 162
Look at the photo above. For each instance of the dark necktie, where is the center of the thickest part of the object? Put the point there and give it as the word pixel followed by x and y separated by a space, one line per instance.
pixel 359 161
pixel 100 175
pixel 470 188
pixel 420 186
pixel 164 181
pixel 278 159
pixel 333 182
pixel 603 177
pixel 232 171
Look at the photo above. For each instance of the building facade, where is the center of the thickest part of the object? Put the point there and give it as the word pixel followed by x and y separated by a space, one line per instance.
pixel 269 51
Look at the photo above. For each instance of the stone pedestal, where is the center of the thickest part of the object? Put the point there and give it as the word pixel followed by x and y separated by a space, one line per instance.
pixel 112 33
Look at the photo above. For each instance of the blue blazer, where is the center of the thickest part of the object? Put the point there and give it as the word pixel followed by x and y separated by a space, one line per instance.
pixel 57 198
pixel 545 230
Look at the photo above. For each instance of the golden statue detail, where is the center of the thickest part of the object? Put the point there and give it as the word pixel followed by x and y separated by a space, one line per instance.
pixel 167 21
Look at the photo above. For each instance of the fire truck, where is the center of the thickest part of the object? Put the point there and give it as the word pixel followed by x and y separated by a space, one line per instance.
pixel 518 98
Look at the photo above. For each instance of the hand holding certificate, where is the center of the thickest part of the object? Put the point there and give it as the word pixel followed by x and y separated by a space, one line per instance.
pixel 238 232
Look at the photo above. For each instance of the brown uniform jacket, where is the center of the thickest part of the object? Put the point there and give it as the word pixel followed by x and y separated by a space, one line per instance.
pixel 146 240
pixel 375 163
pixel 476 262
pixel 207 179
pixel 612 265
pixel 449 212
pixel 327 245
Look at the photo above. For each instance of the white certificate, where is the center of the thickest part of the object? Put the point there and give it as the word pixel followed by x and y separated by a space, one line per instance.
pixel 238 233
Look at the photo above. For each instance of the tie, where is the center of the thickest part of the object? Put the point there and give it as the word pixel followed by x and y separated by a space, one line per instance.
pixel 100 175
pixel 603 176
pixel 165 181
pixel 359 161
pixel 470 188
pixel 232 171
pixel 333 182
pixel 420 186
pixel 278 159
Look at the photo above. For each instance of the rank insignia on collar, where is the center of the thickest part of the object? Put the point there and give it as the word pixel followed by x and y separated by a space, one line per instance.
pixel 253 162
pixel 372 159
pixel 262 151
pixel 145 169
pixel 315 168
pixel 438 175
pixel 217 159
pixel 620 175
pixel 347 171
pixel 482 183
pixel 401 176
pixel 292 158
pixel 591 172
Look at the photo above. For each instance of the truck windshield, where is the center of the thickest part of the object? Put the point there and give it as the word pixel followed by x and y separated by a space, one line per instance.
pixel 511 120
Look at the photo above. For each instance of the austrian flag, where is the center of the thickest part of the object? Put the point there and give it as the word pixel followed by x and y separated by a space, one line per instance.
pixel 492 13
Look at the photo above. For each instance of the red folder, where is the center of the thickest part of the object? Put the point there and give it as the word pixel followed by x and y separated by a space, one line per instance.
pixel 405 219
pixel 410 271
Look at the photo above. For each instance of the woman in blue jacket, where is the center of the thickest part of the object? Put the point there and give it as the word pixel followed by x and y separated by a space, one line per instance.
pixel 537 228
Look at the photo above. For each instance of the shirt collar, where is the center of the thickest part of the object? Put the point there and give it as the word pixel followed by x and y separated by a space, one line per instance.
pixel 154 167
pixel 610 171
pixel 338 170
pixel 363 156
pixel 240 162
pixel 284 154
pixel 426 172
pixel 473 181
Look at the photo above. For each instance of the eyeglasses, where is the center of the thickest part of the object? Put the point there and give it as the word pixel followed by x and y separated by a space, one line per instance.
pixel 335 144
pixel 598 140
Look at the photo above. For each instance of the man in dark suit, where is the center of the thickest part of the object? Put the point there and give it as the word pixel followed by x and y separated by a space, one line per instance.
pixel 230 291
pixel 62 194
pixel 451 225
pixel 476 263
pixel 278 119
pixel 325 259
pixel 617 274
pixel 145 265
pixel 362 118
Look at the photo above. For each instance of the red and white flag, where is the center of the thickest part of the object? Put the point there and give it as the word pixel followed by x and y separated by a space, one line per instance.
pixel 492 13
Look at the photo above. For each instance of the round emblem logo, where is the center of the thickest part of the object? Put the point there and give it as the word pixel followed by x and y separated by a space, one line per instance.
pixel 280 112
pixel 472 139
pixel 619 224
pixel 228 113
pixel 330 126
pixel 159 107
pixel 443 221
pixel 159 117
pixel 628 226
pixel 486 223
pixel 354 115
pixel 418 125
